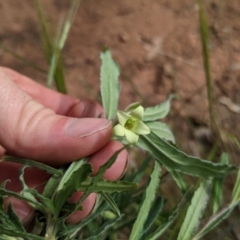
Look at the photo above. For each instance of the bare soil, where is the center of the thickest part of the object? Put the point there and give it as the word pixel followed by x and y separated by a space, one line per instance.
pixel 158 48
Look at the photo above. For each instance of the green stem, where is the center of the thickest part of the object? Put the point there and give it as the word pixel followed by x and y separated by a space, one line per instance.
pixel 206 60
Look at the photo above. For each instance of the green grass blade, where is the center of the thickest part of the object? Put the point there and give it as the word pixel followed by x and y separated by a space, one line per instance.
pixel 109 85
pixel 22 59
pixel 48 47
pixel 44 30
pixel 147 202
pixel 56 62
pixel 206 59
pixel 195 211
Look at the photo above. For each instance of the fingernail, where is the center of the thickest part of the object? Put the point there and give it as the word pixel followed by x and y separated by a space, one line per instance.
pixel 79 128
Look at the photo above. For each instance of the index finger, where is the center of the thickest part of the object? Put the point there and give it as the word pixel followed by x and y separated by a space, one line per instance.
pixel 59 103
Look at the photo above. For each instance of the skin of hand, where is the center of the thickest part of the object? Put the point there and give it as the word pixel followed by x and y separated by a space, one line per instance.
pixel 55 129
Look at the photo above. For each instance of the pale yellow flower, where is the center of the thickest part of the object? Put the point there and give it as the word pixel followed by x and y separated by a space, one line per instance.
pixel 131 125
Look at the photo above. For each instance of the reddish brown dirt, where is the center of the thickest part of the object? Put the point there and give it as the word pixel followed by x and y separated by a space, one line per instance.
pixel 157 45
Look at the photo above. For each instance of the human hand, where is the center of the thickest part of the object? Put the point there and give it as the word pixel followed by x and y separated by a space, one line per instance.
pixel 49 127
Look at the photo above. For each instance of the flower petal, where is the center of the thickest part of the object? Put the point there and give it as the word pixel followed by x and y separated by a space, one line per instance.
pixel 132 106
pixel 122 117
pixel 131 136
pixel 137 113
pixel 141 128
pixel 118 130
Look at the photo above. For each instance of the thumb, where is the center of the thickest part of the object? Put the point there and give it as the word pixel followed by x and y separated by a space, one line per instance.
pixel 30 130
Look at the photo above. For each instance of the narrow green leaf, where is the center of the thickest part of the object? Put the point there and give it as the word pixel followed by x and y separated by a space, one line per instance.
pixel 110 88
pixel 98 177
pixel 152 216
pixel 15 221
pixel 5 237
pixel 218 186
pixel 2 185
pixel 147 202
pixel 25 187
pixel 74 229
pixel 36 205
pixel 26 236
pixel 195 211
pixel 71 185
pixel 178 178
pixel 236 189
pixel 215 220
pixel 174 159
pixel 51 186
pixel 31 163
pixel 172 217
pixel 107 186
pixel 161 130
pixel 108 198
pixel 49 207
pixel 140 171
pixel 6 222
pixel 99 233
pixel 157 112
pixel 76 165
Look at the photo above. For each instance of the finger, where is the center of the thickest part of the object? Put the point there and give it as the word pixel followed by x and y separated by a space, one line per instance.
pixel 59 103
pixel 23 210
pixel 86 109
pixel 103 155
pixel 88 205
pixel 113 173
pixel 30 130
pixel 10 171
